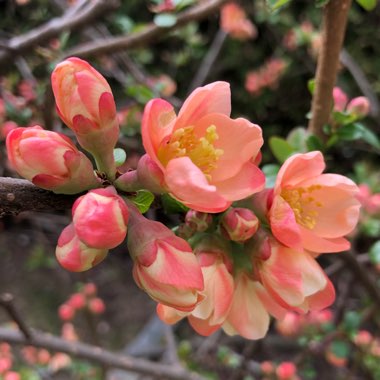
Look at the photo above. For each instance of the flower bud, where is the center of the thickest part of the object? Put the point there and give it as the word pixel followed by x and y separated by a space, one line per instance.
pixel 86 105
pixel 150 175
pixel 66 312
pixel 239 224
pixel 74 255
pixel 165 266
pixel 77 301
pixel 340 99
pixel 286 371
pixel 359 107
pixel 100 218
pixel 96 306
pixel 198 221
pixel 50 160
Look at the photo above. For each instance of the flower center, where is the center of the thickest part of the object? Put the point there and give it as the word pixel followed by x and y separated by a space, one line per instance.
pixel 202 152
pixel 303 204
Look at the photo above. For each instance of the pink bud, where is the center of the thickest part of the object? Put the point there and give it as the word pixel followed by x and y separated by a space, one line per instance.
pixel 43 357
pixel 12 376
pixel 359 106
pixel 74 255
pixel 340 99
pixel 286 371
pixel 7 127
pixel 85 104
pixel 165 266
pixel 150 175
pixel 363 338
pixel 267 367
pixel 66 312
pixel 77 301
pixel 239 224
pixel 100 218
pixel 96 306
pixel 50 160
pixel 198 221
pixel 5 364
pixel 89 289
pixel 68 332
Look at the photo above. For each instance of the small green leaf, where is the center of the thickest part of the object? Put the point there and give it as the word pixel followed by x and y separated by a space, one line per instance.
pixel 142 94
pixel 143 200
pixel 368 5
pixel 270 171
pixel 297 139
pixel 274 5
pixel 165 20
pixel 321 3
pixel 352 320
pixel 311 85
pixel 314 143
pixel 374 253
pixel 171 205
pixel 340 349
pixel 357 131
pixel 119 156
pixel 280 148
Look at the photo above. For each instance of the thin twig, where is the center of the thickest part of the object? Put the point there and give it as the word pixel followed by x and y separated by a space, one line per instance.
pixel 171 346
pixel 208 61
pixel 6 301
pixel 18 195
pixel 150 33
pixel 334 25
pixel 99 355
pixel 69 21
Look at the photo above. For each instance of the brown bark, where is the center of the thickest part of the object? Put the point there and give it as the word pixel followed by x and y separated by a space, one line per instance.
pixel 334 26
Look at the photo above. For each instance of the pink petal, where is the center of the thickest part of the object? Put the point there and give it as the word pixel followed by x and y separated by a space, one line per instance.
pixel 299 167
pixel 189 185
pixel 284 225
pixel 168 314
pixel 315 243
pixel 157 124
pixel 248 181
pixel 213 98
pixel 323 298
pixel 202 326
pixel 239 140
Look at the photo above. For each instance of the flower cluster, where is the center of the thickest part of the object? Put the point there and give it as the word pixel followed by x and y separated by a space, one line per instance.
pixel 358 107
pixel 243 253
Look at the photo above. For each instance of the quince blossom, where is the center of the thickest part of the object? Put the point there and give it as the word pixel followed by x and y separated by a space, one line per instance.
pixel 312 210
pixel 205 156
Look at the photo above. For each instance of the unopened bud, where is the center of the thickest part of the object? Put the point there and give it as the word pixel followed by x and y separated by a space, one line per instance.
pixel 198 221
pixel 359 106
pixel 239 224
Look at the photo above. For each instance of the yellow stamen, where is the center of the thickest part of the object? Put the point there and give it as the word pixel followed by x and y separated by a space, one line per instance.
pixel 303 203
pixel 202 152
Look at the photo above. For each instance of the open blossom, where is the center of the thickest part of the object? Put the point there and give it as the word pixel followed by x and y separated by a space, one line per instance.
pixel 205 156
pixel 100 218
pixel 294 279
pixel 50 160
pixel 86 105
pixel 165 266
pixel 211 312
pixel 312 210
pixel 234 21
pixel 74 255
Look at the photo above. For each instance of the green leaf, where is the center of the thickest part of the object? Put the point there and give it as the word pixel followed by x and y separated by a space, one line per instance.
pixel 143 200
pixel 340 349
pixel 171 205
pixel 314 143
pixel 357 131
pixel 280 148
pixel 311 85
pixel 297 139
pixel 119 156
pixel 374 253
pixel 352 320
pixel 368 5
pixel 274 5
pixel 165 20
pixel 141 93
pixel 270 171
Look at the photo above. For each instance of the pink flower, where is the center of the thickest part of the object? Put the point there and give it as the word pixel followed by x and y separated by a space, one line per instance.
pixel 312 210
pixel 359 106
pixel 248 315
pixel 239 224
pixel 89 289
pixel 74 255
pixel 66 312
pixel 340 99
pixel 12 375
pixel 77 301
pixel 86 105
pixel 100 218
pixel 234 21
pixel 286 371
pixel 211 312
pixel 50 160
pixel 206 157
pixel 165 266
pixel 97 306
pixel 294 279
